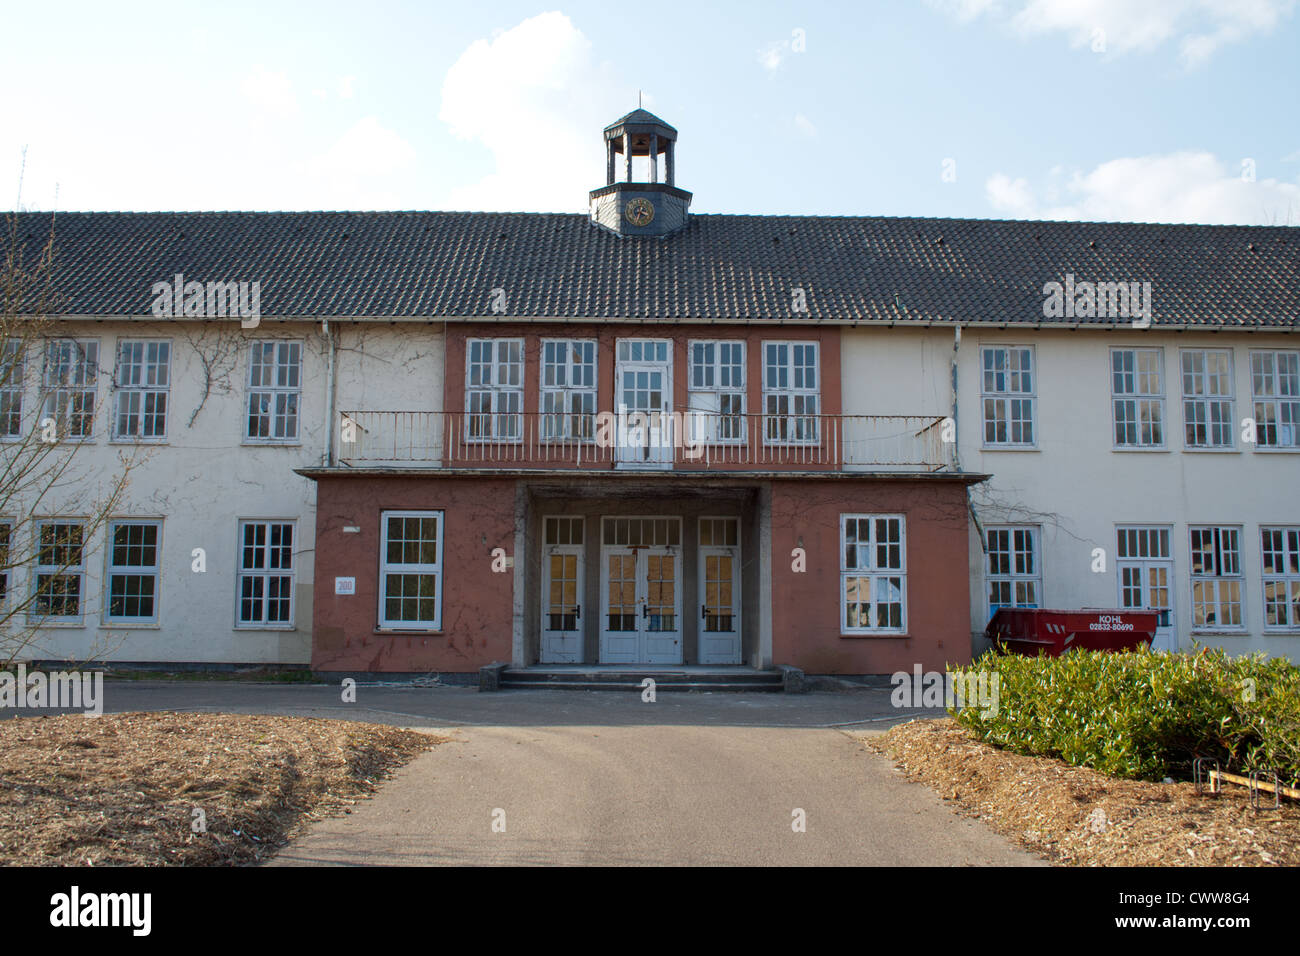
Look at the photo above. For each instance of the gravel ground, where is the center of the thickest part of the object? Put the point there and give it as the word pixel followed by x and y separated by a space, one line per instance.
pixel 123 789
pixel 1076 816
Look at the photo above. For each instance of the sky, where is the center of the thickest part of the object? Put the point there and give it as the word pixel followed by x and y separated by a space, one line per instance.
pixel 1109 110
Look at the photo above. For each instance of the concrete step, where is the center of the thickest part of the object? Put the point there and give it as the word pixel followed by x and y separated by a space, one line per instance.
pixel 742 679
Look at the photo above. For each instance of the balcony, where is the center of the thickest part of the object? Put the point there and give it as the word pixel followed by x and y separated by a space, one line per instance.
pixel 680 442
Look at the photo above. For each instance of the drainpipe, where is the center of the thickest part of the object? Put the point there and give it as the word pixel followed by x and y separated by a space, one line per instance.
pixel 956 445
pixel 331 393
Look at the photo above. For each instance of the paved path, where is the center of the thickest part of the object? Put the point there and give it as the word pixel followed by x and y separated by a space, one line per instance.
pixel 661 795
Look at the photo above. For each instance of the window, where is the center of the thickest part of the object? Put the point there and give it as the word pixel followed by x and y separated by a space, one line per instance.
pixel 274 391
pixel 1207 399
pixel 133 572
pixel 568 389
pixel 1008 388
pixel 71 369
pixel 494 389
pixel 873 575
pixel 1138 397
pixel 1216 578
pixel 143 379
pixel 717 392
pixel 790 393
pixel 1275 384
pixel 6 530
pixel 1281 547
pixel 12 370
pixel 1013 575
pixel 410 570
pixel 60 570
pixel 265 574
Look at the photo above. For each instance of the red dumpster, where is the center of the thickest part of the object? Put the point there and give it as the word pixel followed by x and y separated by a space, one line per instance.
pixel 1033 631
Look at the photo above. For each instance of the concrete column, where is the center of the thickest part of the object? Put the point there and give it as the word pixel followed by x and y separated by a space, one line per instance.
pixel 518 652
pixel 670 172
pixel 765 577
pixel 627 157
pixel 654 157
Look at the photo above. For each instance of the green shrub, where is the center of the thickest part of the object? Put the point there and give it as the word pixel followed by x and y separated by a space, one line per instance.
pixel 1143 715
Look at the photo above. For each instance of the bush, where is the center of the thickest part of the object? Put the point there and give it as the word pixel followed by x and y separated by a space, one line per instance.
pixel 1143 715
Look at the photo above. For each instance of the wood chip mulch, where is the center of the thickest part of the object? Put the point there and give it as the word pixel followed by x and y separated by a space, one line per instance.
pixel 1076 816
pixel 122 789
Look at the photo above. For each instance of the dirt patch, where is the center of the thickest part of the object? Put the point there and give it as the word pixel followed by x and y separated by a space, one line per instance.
pixel 122 789
pixel 1076 816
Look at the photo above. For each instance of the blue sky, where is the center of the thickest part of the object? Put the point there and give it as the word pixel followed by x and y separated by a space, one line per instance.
pixel 1148 110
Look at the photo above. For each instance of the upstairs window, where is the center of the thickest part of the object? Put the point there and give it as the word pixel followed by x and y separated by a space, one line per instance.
pixel 791 396
pixel 12 370
pixel 1138 397
pixel 716 391
pixel 568 398
pixel 69 383
pixel 1207 398
pixel 274 392
pixel 1275 385
pixel 494 389
pixel 143 379
pixel 1008 389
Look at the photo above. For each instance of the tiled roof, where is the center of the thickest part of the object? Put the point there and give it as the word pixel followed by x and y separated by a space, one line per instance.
pixel 744 268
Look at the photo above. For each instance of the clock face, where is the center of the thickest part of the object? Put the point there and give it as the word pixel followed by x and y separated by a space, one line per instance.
pixel 639 211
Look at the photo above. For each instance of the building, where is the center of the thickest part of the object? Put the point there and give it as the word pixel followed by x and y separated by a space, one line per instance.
pixel 646 436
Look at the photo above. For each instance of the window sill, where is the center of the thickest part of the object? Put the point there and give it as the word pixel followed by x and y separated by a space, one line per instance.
pixel 1209 450
pixel 137 441
pixel 1009 447
pixel 1234 632
pixel 1270 450
pixel 267 443
pixel 258 629
pixel 860 635
pixel 129 626
pixel 1139 449
pixel 407 632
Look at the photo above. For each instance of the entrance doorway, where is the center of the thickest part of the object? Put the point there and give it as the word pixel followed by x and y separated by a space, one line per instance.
pixel 641 594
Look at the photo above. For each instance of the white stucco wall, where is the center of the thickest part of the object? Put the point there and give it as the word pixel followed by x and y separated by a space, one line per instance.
pixel 1073 484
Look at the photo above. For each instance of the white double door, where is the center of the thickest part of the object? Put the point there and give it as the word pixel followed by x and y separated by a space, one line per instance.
pixel 641 605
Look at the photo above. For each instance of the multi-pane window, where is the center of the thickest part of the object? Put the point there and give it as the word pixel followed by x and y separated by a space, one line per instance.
pixel 568 401
pixel 266 570
pixel 1138 397
pixel 1275 384
pixel 1281 548
pixel 494 389
pixel 69 383
pixel 274 391
pixel 133 572
pixel 1207 398
pixel 1008 390
pixel 1216 577
pixel 790 393
pixel 873 574
pixel 143 379
pixel 12 370
pixel 410 570
pixel 1013 575
pixel 717 391
pixel 60 570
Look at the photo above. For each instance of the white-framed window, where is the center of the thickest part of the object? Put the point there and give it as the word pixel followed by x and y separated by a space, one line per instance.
pixel 1138 397
pixel 1207 398
pixel 716 391
pixel 69 385
pixel 13 368
pixel 873 574
pixel 274 392
pixel 59 574
pixel 494 389
pixel 1008 390
pixel 266 574
pixel 1275 388
pixel 143 380
pixel 1216 577
pixel 410 570
pixel 568 389
pixel 1012 571
pixel 133 558
pixel 1281 553
pixel 791 393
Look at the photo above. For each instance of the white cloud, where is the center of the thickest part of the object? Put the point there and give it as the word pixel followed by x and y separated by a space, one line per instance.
pixel 1184 187
pixel 1200 27
pixel 772 55
pixel 271 91
pixel 804 125
pixel 536 97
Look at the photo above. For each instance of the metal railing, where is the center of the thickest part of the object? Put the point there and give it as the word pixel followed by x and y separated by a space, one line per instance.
pixel 683 441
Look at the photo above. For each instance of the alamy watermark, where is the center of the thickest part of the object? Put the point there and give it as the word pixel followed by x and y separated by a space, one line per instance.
pixel 211 300
pixel 977 689
pixel 59 690
pixel 1098 300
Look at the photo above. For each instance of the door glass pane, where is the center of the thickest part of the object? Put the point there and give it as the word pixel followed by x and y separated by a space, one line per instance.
pixel 719 614
pixel 622 592
pixel 661 592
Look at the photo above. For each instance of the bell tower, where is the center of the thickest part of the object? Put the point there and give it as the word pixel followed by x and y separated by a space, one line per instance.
pixel 644 207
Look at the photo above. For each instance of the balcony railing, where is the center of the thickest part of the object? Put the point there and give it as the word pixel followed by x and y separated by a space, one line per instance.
pixel 684 441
